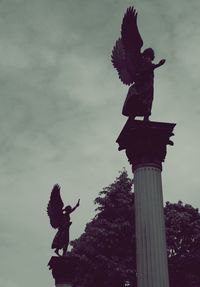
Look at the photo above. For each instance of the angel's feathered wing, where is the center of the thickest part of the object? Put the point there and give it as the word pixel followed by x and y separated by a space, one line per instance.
pixel 126 53
pixel 54 208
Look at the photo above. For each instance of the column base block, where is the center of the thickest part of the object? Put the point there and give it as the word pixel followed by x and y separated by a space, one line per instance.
pixel 63 268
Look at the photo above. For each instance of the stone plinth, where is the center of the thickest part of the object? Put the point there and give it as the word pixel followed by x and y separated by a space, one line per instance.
pixel 63 270
pixel 145 145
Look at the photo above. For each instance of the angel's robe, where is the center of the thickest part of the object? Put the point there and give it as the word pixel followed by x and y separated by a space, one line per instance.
pixel 140 95
pixel 61 238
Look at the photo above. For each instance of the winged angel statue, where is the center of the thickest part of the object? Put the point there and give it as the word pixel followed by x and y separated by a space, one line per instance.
pixel 134 67
pixel 60 218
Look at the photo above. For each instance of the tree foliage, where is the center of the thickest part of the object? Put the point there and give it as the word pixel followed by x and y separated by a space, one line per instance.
pixel 183 244
pixel 106 250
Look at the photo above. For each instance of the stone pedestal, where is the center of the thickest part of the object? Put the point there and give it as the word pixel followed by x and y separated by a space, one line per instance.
pixel 63 270
pixel 145 145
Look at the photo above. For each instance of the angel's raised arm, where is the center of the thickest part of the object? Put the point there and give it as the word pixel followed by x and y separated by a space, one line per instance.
pixel 75 207
pixel 159 64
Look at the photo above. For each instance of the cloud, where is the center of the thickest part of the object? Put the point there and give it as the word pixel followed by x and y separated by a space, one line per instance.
pixel 60 114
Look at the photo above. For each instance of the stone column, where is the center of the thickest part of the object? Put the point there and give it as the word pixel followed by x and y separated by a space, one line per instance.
pixel 63 270
pixel 145 145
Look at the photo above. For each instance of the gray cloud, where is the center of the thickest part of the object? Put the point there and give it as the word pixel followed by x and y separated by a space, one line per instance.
pixel 60 114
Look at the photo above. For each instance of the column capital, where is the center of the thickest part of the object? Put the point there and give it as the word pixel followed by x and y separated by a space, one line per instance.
pixel 63 268
pixel 145 142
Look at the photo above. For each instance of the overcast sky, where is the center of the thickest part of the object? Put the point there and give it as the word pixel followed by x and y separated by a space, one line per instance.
pixel 60 114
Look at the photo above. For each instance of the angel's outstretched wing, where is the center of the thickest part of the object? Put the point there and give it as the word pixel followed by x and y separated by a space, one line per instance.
pixel 54 208
pixel 126 53
pixel 119 60
pixel 130 34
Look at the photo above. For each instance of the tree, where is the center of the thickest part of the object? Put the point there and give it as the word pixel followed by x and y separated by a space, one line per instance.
pixel 106 250
pixel 183 242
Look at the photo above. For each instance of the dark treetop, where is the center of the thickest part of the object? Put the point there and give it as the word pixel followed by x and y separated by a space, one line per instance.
pixel 59 218
pixel 135 67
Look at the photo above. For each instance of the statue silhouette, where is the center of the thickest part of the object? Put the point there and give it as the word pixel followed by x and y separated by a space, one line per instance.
pixel 135 67
pixel 60 219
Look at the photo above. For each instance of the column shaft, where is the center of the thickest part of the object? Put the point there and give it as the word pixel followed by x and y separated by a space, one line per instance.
pixel 152 267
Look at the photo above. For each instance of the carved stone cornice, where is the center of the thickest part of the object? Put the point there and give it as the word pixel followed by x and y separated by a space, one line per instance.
pixel 145 142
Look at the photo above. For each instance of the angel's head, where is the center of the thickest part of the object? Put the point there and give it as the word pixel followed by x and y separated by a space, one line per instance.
pixel 67 209
pixel 149 54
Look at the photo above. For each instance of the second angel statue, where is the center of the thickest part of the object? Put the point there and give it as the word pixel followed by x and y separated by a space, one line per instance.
pixel 60 219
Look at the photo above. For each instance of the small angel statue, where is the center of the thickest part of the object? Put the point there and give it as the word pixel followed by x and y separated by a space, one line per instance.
pixel 135 68
pixel 60 218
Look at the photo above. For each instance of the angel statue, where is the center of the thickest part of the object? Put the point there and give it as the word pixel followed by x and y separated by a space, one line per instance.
pixel 60 218
pixel 135 68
